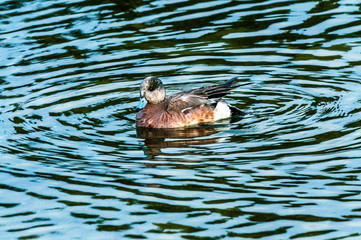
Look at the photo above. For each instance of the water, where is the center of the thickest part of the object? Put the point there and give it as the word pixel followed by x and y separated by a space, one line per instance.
pixel 74 166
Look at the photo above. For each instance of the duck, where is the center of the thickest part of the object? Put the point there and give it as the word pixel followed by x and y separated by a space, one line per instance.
pixel 183 109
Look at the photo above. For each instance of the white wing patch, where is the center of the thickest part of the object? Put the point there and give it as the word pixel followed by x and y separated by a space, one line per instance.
pixel 186 109
pixel 184 98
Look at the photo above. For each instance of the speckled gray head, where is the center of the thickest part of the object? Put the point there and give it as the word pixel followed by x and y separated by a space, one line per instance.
pixel 152 91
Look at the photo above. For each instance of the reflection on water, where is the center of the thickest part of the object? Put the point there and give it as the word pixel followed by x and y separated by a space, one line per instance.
pixel 74 166
pixel 157 139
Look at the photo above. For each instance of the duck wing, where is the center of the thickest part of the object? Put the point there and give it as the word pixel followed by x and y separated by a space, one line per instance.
pixel 215 91
pixel 196 97
pixel 180 102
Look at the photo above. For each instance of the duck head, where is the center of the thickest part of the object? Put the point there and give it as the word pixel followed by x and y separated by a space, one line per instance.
pixel 152 91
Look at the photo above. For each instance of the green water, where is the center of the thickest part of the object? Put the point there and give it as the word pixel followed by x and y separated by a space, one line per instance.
pixel 74 166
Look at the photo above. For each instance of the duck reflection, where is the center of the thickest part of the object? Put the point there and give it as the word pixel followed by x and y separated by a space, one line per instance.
pixel 156 139
pixel 176 137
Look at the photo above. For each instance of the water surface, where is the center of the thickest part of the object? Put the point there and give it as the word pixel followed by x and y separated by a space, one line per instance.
pixel 74 166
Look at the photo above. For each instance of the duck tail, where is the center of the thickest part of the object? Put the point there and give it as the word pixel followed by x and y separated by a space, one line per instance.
pixel 236 112
pixel 229 83
pixel 220 90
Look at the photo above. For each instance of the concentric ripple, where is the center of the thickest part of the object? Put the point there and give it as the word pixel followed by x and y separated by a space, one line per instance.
pixel 74 166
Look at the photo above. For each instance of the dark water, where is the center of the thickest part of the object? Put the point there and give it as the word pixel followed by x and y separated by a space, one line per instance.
pixel 73 165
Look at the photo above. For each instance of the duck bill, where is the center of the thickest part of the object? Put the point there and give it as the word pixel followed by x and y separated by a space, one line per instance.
pixel 141 104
